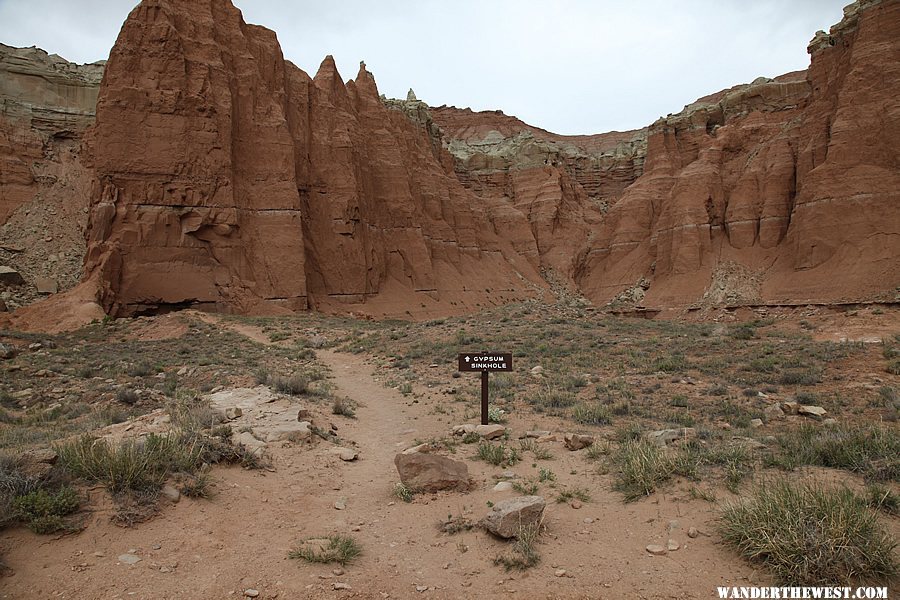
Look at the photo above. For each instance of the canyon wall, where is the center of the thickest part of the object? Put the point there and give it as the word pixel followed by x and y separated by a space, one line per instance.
pixel 226 177
pixel 220 175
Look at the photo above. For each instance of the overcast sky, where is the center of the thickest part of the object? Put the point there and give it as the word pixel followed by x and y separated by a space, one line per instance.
pixel 570 66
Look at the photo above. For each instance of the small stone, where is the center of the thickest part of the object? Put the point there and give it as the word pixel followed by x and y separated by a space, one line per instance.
pixel 812 411
pixel 756 423
pixel 829 422
pixel 10 276
pixel 170 493
pixel 421 588
pixel 576 504
pixel 560 573
pixel 576 441
pixel 46 285
pixel 790 408
pixel 535 434
pixel 507 516
pixel 337 572
pixel 304 414
pixel 656 550
pixel 503 486
pixel 233 412
pixel 490 432
pixel 537 370
pixel 251 593
pixel 340 504
pixel 420 448
pixel 129 559
pixel 672 545
pixel 588 521
pixel 337 585
pixel 773 412
pixel 664 437
pixel 345 454
pixel 693 532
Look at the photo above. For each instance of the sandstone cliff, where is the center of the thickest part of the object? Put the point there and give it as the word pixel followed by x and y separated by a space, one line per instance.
pixel 221 175
pixel 720 203
pixel 227 177
pixel 46 104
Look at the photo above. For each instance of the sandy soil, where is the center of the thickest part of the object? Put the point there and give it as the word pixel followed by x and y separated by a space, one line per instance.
pixel 240 539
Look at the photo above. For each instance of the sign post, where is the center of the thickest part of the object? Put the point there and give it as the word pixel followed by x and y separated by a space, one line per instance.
pixel 485 362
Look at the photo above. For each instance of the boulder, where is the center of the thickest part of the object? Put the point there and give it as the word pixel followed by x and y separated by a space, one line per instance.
pixel 507 516
pixel 431 472
pixel 577 441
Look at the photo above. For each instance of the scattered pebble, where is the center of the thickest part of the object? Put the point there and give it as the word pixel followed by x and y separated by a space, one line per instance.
pixel 656 550
pixel 251 593
pixel 129 559
pixel 560 573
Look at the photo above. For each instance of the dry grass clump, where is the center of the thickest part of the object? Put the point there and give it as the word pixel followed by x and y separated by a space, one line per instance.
pixel 806 534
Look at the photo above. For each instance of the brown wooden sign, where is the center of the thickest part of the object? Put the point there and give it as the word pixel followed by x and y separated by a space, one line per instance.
pixel 485 361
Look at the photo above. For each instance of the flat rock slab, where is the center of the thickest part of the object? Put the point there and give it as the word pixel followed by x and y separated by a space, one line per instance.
pixel 490 432
pixel 291 431
pixel 129 559
pixel 812 411
pixel 507 516
pixel 431 472
pixel 243 398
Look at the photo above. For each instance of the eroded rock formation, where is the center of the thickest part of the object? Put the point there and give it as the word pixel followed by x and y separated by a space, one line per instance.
pixel 224 176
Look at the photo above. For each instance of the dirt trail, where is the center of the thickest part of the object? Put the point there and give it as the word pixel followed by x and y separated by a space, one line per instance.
pixel 240 538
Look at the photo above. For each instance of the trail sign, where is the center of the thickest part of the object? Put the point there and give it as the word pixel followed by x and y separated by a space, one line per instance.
pixel 485 362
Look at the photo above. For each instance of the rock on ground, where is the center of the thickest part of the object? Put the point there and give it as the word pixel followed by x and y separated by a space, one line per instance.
pixel 431 472
pixel 508 516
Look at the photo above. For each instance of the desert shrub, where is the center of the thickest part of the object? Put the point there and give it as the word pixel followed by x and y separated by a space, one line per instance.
pixel 293 385
pixel 403 492
pixel 551 399
pixel 806 534
pixel 344 407
pixel 43 511
pixel 127 396
pixel 641 467
pixel 341 549
pixel 591 414
pixel 525 554
pixel 498 455
pixel 872 450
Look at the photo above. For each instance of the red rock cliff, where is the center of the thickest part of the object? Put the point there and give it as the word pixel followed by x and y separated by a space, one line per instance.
pixel 228 177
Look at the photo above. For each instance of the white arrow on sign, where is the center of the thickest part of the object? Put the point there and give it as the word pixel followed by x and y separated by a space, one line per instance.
pixel 467 359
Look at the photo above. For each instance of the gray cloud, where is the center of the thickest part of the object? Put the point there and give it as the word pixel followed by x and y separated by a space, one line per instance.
pixel 570 66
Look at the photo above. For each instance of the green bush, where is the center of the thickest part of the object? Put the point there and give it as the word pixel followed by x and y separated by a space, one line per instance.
pixel 43 511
